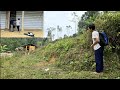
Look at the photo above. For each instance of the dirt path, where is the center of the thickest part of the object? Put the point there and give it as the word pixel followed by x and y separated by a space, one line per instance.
pixel 8 34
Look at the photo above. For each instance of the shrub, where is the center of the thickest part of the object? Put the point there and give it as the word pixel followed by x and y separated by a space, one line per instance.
pixel 13 43
pixel 3 48
pixel 110 23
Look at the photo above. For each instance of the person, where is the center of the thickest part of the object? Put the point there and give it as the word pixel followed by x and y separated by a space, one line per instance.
pixel 98 50
pixel 11 25
pixel 14 24
pixel 18 24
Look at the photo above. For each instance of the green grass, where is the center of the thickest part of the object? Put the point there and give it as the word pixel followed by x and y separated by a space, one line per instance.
pixel 69 58
pixel 27 67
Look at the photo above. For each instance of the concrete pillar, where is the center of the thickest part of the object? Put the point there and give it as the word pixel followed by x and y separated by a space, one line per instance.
pixel 23 21
pixel 8 20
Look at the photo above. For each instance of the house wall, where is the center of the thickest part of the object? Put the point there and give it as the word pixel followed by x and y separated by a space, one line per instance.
pixel 32 19
pixel 2 19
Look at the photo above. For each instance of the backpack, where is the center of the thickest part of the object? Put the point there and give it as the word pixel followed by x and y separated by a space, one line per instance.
pixel 103 39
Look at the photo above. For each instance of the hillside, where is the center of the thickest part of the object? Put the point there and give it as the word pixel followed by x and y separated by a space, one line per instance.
pixel 69 58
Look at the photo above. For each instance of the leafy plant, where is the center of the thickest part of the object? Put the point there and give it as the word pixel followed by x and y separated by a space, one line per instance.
pixel 110 23
pixel 3 48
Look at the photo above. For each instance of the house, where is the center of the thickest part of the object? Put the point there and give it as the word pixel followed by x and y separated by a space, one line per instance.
pixel 30 20
pixel 39 23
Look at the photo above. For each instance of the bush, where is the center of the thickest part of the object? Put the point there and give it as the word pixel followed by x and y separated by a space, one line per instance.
pixel 13 43
pixel 3 48
pixel 110 23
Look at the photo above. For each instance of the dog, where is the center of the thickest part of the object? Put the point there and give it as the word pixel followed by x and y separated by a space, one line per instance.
pixel 30 49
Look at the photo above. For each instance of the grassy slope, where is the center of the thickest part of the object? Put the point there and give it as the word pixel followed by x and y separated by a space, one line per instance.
pixel 67 58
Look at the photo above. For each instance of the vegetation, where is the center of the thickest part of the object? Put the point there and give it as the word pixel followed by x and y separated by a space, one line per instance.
pixel 110 23
pixel 58 60
pixel 71 57
pixel 3 48
pixel 13 43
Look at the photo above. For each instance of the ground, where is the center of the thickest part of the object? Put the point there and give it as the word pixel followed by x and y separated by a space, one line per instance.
pixel 8 34
pixel 27 68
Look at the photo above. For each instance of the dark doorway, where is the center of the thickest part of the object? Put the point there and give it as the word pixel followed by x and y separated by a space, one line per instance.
pixel 13 15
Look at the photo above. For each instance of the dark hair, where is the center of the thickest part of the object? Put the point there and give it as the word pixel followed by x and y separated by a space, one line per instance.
pixel 18 18
pixel 92 26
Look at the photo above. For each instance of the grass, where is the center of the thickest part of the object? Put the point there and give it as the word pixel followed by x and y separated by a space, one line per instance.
pixel 31 67
pixel 69 58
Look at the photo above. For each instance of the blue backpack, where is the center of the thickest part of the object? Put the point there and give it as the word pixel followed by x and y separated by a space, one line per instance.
pixel 103 39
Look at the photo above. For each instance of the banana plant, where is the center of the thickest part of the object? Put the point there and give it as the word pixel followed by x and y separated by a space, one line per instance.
pixel 3 48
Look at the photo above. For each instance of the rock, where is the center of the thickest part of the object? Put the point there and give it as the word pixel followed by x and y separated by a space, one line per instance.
pixel 6 54
pixel 19 49
pixel 47 69
pixel 8 51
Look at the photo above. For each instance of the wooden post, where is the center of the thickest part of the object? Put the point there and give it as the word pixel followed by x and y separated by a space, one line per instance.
pixel 8 22
pixel 23 21
pixel 7 19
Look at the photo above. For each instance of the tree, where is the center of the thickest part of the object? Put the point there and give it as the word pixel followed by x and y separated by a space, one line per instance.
pixel 59 29
pixel 50 30
pixel 81 24
pixel 53 36
pixel 110 23
pixel 65 36
pixel 75 20
pixel 105 11
pixel 68 29
pixel 86 19
pixel 89 14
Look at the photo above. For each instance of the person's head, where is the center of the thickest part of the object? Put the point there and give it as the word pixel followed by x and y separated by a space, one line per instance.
pixel 91 27
pixel 18 18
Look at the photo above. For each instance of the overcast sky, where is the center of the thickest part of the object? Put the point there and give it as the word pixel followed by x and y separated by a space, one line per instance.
pixel 61 18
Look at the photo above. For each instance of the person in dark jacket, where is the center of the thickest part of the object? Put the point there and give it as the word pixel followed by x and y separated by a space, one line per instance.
pixel 14 25
pixel 11 25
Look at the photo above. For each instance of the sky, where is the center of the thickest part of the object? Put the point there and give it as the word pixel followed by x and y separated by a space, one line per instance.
pixel 61 18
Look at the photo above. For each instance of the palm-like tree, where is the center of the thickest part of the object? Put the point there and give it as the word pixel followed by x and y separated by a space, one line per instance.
pixel 50 30
pixel 75 20
pixel 68 29
pixel 53 36
pixel 59 29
